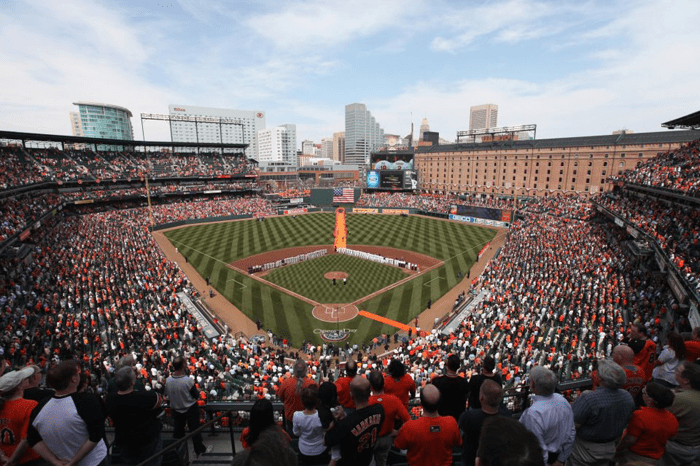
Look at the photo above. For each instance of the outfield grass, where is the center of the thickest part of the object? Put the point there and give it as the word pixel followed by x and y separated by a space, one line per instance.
pixel 364 278
pixel 211 247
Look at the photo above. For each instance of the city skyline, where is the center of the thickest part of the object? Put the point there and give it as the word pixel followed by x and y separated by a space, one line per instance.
pixel 572 68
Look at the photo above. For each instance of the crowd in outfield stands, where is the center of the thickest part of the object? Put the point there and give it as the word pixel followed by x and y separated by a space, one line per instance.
pixel 563 293
pixel 677 170
pixel 676 229
pixel 430 202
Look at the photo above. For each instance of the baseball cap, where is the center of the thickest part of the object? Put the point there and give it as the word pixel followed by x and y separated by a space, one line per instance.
pixel 12 379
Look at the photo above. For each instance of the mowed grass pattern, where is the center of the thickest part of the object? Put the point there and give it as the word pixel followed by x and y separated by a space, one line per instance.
pixel 211 247
pixel 364 277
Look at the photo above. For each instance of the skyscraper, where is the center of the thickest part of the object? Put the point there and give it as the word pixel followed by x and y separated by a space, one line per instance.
pixel 483 116
pixel 424 127
pixel 362 134
pixel 278 144
pixel 251 121
pixel 93 120
pixel 339 146
pixel 327 148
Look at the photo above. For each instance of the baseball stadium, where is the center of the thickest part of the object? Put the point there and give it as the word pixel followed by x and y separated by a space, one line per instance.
pixel 121 252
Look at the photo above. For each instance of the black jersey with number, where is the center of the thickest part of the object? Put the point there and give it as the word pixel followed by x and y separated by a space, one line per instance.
pixel 357 435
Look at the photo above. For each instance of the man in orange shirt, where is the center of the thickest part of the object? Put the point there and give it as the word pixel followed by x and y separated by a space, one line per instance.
pixel 644 349
pixel 343 386
pixel 393 410
pixel 430 438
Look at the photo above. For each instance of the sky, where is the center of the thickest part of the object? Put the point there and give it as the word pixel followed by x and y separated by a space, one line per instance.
pixel 573 68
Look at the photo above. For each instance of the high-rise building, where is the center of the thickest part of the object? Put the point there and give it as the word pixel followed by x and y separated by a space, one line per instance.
pixel 307 147
pixel 327 148
pixel 483 116
pixel 424 127
pixel 362 134
pixel 245 132
pixel 289 144
pixel 339 146
pixel 278 144
pixel 94 120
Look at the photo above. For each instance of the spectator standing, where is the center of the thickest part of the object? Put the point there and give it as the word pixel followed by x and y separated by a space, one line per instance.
pixel 357 433
pixel 684 448
pixel 644 349
pixel 487 373
pixel 472 420
pixel 398 383
pixel 666 364
pixel 453 389
pixel 602 416
pixel 183 395
pixel 15 412
pixel 307 426
pixel 650 428
pixel 33 391
pixel 550 417
pixel 262 419
pixel 136 419
pixel 431 438
pixel 290 393
pixel 70 425
pixel 624 356
pixel 343 385
pixel 394 412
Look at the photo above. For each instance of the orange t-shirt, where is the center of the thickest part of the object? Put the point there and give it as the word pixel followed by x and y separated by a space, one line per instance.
pixel 393 409
pixel 429 440
pixel 289 396
pixel 400 388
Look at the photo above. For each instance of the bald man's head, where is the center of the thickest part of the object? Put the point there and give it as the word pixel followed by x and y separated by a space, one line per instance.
pixel 623 354
pixel 359 390
pixel 429 398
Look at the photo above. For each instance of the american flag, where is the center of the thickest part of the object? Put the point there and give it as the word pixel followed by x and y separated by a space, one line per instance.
pixel 343 195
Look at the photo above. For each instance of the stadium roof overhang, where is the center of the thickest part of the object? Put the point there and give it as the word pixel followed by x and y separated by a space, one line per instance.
pixel 57 138
pixel 690 121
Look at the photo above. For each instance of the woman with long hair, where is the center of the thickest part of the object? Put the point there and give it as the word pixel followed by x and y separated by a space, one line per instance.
pixel 307 425
pixel 673 353
pixel 262 419
pixel 398 383
pixel 290 392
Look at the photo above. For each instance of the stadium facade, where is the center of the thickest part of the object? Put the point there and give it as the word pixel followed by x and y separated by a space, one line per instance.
pixel 540 167
pixel 104 121
pixel 246 132
pixel 362 134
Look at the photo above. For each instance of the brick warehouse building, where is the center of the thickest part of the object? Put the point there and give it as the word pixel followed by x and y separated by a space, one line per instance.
pixel 539 167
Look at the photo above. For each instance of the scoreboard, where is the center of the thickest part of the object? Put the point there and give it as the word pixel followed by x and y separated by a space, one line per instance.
pixel 392 180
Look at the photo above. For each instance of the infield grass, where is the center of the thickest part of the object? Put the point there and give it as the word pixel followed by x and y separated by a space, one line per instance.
pixel 211 247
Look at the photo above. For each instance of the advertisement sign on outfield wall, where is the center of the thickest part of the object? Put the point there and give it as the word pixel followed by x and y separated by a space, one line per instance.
pixel 479 221
pixel 395 211
pixel 364 211
pixel 295 211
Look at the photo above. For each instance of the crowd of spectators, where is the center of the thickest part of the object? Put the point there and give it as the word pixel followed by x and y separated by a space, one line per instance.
pixel 676 228
pixel 677 170
pixel 23 210
pixel 20 167
pixel 440 203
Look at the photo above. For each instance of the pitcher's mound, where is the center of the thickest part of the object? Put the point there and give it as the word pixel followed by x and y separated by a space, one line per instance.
pixel 335 312
pixel 336 275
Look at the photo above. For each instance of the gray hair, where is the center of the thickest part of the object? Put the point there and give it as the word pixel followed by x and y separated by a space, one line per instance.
pixel 124 378
pixel 610 374
pixel 545 381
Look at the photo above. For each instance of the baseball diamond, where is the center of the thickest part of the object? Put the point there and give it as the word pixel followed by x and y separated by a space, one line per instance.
pixel 284 298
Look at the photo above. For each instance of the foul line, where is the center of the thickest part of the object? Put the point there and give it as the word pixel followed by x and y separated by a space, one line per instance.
pixel 384 320
pixel 436 278
pixel 196 250
pixel 234 280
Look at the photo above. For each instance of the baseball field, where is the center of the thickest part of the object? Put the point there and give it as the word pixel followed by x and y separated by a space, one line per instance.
pixel 301 301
